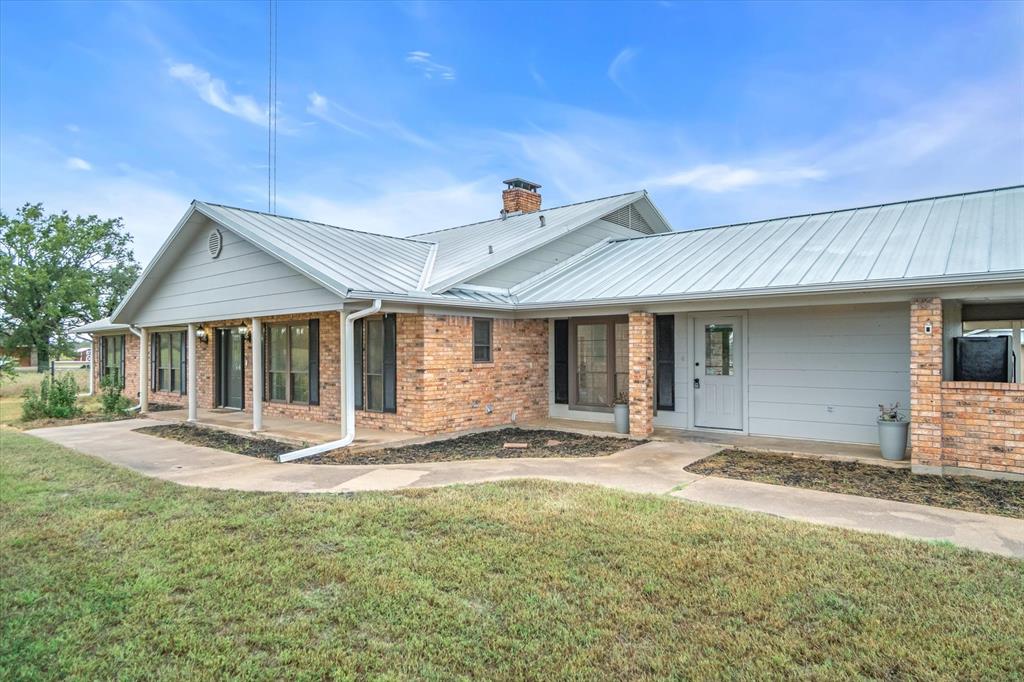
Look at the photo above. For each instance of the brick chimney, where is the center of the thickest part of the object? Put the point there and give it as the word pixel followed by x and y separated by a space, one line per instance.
pixel 520 196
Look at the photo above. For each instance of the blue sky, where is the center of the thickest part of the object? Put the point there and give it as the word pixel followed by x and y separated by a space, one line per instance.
pixel 405 117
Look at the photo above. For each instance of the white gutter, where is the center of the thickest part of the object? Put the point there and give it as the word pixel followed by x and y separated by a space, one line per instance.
pixel 348 373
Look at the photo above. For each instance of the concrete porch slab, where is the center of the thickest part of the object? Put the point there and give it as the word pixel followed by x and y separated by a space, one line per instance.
pixel 298 432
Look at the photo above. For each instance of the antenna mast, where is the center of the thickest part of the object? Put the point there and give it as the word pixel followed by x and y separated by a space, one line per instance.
pixel 272 12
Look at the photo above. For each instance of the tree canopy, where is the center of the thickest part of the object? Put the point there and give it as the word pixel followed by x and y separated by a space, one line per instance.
pixel 58 272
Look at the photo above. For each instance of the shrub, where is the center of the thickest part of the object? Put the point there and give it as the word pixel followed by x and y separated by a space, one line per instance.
pixel 112 401
pixel 55 399
pixel 7 369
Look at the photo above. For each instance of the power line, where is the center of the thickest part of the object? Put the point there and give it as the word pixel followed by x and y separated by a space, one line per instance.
pixel 272 14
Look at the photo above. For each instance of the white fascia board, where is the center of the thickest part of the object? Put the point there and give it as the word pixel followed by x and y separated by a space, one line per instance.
pixel 501 259
pixel 1011 277
pixel 334 286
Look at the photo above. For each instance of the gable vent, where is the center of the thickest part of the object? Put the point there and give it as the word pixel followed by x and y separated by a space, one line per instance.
pixel 628 216
pixel 214 243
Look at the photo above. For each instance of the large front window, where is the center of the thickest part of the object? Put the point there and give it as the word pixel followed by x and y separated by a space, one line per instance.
pixel 376 376
pixel 168 349
pixel 113 358
pixel 601 350
pixel 289 363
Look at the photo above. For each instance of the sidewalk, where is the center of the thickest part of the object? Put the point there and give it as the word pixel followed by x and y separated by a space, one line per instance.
pixel 656 467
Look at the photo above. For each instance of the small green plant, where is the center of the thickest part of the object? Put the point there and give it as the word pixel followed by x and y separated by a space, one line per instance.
pixel 7 369
pixel 112 401
pixel 57 398
pixel 890 413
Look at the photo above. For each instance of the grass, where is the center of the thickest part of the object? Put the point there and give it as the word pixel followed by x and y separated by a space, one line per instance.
pixel 107 574
pixel 967 493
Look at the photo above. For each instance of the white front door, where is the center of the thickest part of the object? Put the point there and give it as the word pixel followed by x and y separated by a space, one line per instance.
pixel 717 373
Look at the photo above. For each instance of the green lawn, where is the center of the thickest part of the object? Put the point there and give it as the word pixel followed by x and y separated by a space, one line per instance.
pixel 107 574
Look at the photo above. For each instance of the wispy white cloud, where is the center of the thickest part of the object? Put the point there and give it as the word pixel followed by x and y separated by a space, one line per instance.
pixel 403 205
pixel 721 177
pixel 620 63
pixel 537 77
pixel 424 62
pixel 72 128
pixel 77 164
pixel 214 92
pixel 345 119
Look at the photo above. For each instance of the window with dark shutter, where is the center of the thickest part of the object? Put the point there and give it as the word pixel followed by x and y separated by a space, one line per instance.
pixel 290 362
pixel 390 365
pixel 357 342
pixel 482 328
pixel 562 362
pixel 314 362
pixel 664 330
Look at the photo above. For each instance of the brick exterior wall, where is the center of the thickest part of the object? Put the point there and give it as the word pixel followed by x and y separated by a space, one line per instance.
pixel 926 382
pixel 518 199
pixel 983 426
pixel 963 424
pixel 641 374
pixel 439 387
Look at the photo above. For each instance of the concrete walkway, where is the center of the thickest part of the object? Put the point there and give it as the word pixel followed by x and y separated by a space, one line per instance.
pixel 655 467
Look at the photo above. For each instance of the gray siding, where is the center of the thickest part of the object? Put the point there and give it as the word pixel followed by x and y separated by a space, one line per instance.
pixel 243 281
pixel 540 259
pixel 820 373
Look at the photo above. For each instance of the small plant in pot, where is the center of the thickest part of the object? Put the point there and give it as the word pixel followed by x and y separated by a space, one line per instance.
pixel 892 432
pixel 621 413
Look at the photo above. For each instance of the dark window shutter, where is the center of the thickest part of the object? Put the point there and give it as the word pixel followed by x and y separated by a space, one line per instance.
pixel 103 358
pixel 357 361
pixel 390 364
pixel 266 363
pixel 562 362
pixel 124 346
pixel 183 363
pixel 154 345
pixel 665 346
pixel 314 362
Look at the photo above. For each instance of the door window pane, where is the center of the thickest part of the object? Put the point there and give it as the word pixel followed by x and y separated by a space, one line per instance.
pixel 719 350
pixel 592 364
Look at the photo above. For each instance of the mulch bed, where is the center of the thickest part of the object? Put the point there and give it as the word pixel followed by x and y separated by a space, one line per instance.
pixel 1005 498
pixel 264 448
pixel 485 445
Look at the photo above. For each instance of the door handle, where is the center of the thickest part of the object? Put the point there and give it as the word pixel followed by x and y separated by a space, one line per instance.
pixel 696 383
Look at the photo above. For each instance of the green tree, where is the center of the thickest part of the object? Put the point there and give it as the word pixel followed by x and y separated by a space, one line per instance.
pixel 57 272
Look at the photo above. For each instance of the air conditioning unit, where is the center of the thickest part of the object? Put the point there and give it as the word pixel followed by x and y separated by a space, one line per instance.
pixel 983 358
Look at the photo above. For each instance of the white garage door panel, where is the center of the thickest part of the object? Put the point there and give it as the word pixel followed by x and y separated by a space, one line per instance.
pixel 802 362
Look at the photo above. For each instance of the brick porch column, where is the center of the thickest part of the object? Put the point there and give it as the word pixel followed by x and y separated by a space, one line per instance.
pixel 925 383
pixel 641 374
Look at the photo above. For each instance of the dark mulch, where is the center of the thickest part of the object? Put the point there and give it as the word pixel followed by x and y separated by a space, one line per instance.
pixel 485 445
pixel 164 407
pixel 967 493
pixel 264 448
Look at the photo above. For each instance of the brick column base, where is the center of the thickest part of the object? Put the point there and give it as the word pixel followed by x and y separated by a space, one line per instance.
pixel 641 374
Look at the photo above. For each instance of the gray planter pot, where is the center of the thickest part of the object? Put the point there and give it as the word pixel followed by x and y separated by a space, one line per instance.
pixel 892 439
pixel 622 418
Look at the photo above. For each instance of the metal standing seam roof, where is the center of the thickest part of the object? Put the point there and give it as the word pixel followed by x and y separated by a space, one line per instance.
pixel 466 250
pixel 346 259
pixel 964 234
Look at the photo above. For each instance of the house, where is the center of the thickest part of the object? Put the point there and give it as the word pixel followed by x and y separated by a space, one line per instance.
pixel 793 327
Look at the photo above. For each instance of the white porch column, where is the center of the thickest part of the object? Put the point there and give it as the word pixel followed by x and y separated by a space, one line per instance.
pixel 143 371
pixel 342 360
pixel 193 398
pixel 257 375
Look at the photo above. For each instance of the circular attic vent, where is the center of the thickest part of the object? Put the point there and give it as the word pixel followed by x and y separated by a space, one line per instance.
pixel 215 243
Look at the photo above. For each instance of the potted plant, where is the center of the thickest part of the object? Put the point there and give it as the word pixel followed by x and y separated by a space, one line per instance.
pixel 892 432
pixel 621 413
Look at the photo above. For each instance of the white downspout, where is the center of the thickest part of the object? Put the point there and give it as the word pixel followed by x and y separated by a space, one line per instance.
pixel 92 366
pixel 348 374
pixel 137 333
